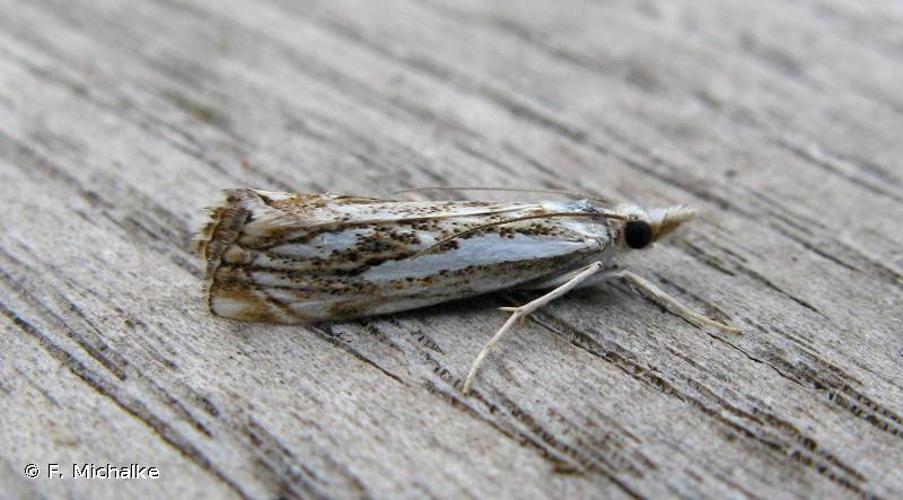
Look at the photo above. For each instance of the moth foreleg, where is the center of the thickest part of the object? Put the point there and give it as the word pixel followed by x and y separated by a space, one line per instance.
pixel 657 294
pixel 560 279
pixel 524 310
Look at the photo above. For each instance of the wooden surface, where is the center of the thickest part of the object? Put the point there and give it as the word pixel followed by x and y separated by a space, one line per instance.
pixel 120 120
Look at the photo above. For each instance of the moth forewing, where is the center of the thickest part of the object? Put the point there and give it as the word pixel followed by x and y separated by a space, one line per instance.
pixel 290 258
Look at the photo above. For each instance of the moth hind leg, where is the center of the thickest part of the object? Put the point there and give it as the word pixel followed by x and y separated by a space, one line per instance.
pixel 521 312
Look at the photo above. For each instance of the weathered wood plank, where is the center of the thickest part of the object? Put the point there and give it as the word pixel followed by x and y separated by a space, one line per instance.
pixel 120 120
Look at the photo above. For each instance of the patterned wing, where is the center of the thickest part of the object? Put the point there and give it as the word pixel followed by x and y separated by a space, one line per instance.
pixel 289 258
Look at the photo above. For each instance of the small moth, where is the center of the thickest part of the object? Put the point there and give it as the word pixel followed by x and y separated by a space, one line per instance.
pixel 293 258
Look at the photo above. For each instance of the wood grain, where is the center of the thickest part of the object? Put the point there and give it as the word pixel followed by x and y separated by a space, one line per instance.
pixel 120 120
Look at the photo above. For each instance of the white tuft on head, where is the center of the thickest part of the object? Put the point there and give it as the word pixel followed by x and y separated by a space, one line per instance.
pixel 662 221
pixel 665 220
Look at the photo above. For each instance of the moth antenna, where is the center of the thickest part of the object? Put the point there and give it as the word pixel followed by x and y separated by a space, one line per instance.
pixel 547 215
pixel 513 190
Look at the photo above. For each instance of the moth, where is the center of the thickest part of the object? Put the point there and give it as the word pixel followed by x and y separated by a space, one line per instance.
pixel 295 258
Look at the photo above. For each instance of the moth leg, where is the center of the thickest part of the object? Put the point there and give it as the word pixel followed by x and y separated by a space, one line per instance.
pixel 657 294
pixel 558 280
pixel 522 312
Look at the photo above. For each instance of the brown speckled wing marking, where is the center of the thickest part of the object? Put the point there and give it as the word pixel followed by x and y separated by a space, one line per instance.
pixel 288 258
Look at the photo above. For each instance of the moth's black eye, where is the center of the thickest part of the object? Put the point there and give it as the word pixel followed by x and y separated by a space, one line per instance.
pixel 638 234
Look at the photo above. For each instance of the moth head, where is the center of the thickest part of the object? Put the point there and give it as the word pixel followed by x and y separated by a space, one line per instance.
pixel 644 227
